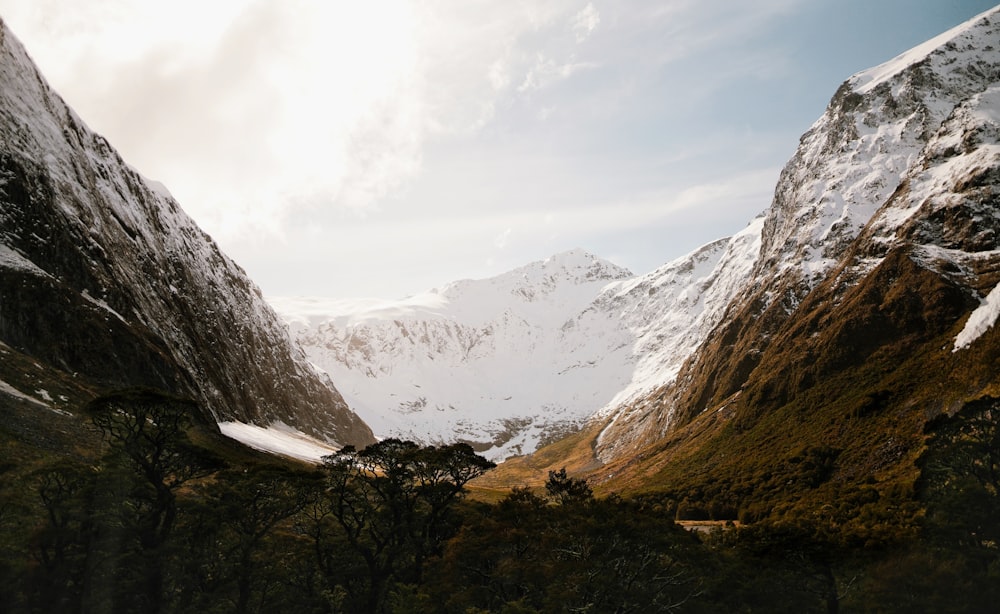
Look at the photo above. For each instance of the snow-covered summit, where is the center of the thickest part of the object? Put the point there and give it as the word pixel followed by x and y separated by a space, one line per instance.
pixel 542 292
pixel 963 38
pixel 570 279
pixel 511 361
pixel 487 361
pixel 852 159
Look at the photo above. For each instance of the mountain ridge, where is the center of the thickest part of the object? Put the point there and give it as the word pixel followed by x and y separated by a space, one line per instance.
pixel 103 277
pixel 839 202
pixel 692 335
pixel 398 359
pixel 600 337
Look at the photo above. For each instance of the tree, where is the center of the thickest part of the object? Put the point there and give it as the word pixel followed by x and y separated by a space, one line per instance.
pixel 960 485
pixel 799 559
pixel 563 489
pixel 526 555
pixel 62 542
pixel 149 458
pixel 249 505
pixel 960 476
pixel 391 500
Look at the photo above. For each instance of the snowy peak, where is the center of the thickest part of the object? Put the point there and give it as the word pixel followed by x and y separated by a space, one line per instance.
pixel 576 266
pixel 573 267
pixel 489 361
pixel 536 292
pixel 511 361
pixel 564 283
pixel 881 247
pixel 854 157
pixel 964 39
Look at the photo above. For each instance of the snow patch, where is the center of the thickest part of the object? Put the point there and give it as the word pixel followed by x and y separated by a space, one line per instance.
pixel 278 438
pixel 14 392
pixel 100 303
pixel 981 320
pixel 7 389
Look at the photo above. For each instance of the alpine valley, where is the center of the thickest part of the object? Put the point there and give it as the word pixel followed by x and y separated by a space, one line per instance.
pixel 863 290
pixel 817 396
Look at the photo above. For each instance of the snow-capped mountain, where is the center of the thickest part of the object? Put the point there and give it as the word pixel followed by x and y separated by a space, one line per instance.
pixel 902 162
pixel 501 363
pixel 880 241
pixel 105 282
pixel 511 362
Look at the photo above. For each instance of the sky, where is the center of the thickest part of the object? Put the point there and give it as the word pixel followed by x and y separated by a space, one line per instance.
pixel 383 148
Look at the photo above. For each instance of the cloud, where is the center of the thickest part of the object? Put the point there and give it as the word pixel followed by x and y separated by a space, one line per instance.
pixel 585 22
pixel 502 239
pixel 499 77
pixel 749 191
pixel 364 132
pixel 547 71
pixel 250 112
pixel 254 112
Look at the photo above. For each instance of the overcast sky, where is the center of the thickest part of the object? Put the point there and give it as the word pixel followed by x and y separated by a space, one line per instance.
pixel 385 147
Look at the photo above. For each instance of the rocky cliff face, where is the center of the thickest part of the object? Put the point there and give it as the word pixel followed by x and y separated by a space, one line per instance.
pixel 103 277
pixel 879 245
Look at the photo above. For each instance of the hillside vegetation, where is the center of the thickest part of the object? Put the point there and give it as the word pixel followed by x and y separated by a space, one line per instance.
pixel 168 516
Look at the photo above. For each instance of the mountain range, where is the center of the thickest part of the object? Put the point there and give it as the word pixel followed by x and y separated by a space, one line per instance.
pixel 857 307
pixel 866 287
pixel 512 362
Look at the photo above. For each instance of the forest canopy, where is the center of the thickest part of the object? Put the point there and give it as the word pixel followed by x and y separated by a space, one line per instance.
pixel 159 522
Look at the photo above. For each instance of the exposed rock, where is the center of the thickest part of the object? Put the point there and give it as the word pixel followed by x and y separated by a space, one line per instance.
pixel 104 277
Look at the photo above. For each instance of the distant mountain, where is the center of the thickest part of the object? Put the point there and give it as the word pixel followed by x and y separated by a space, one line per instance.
pixel 502 363
pixel 105 283
pixel 514 361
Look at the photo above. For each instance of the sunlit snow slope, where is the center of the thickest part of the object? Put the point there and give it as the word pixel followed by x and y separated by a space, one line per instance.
pixel 510 362
pixel 893 189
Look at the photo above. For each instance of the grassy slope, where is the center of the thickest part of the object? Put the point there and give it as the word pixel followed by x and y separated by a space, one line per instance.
pixel 829 422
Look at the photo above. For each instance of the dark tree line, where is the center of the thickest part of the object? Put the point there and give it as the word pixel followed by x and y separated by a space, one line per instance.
pixel 159 524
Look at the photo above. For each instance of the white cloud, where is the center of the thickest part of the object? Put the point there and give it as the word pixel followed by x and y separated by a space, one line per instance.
pixel 502 239
pixel 748 191
pixel 247 112
pixel 546 71
pixel 585 22
pixel 403 135
pixel 252 112
pixel 499 77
